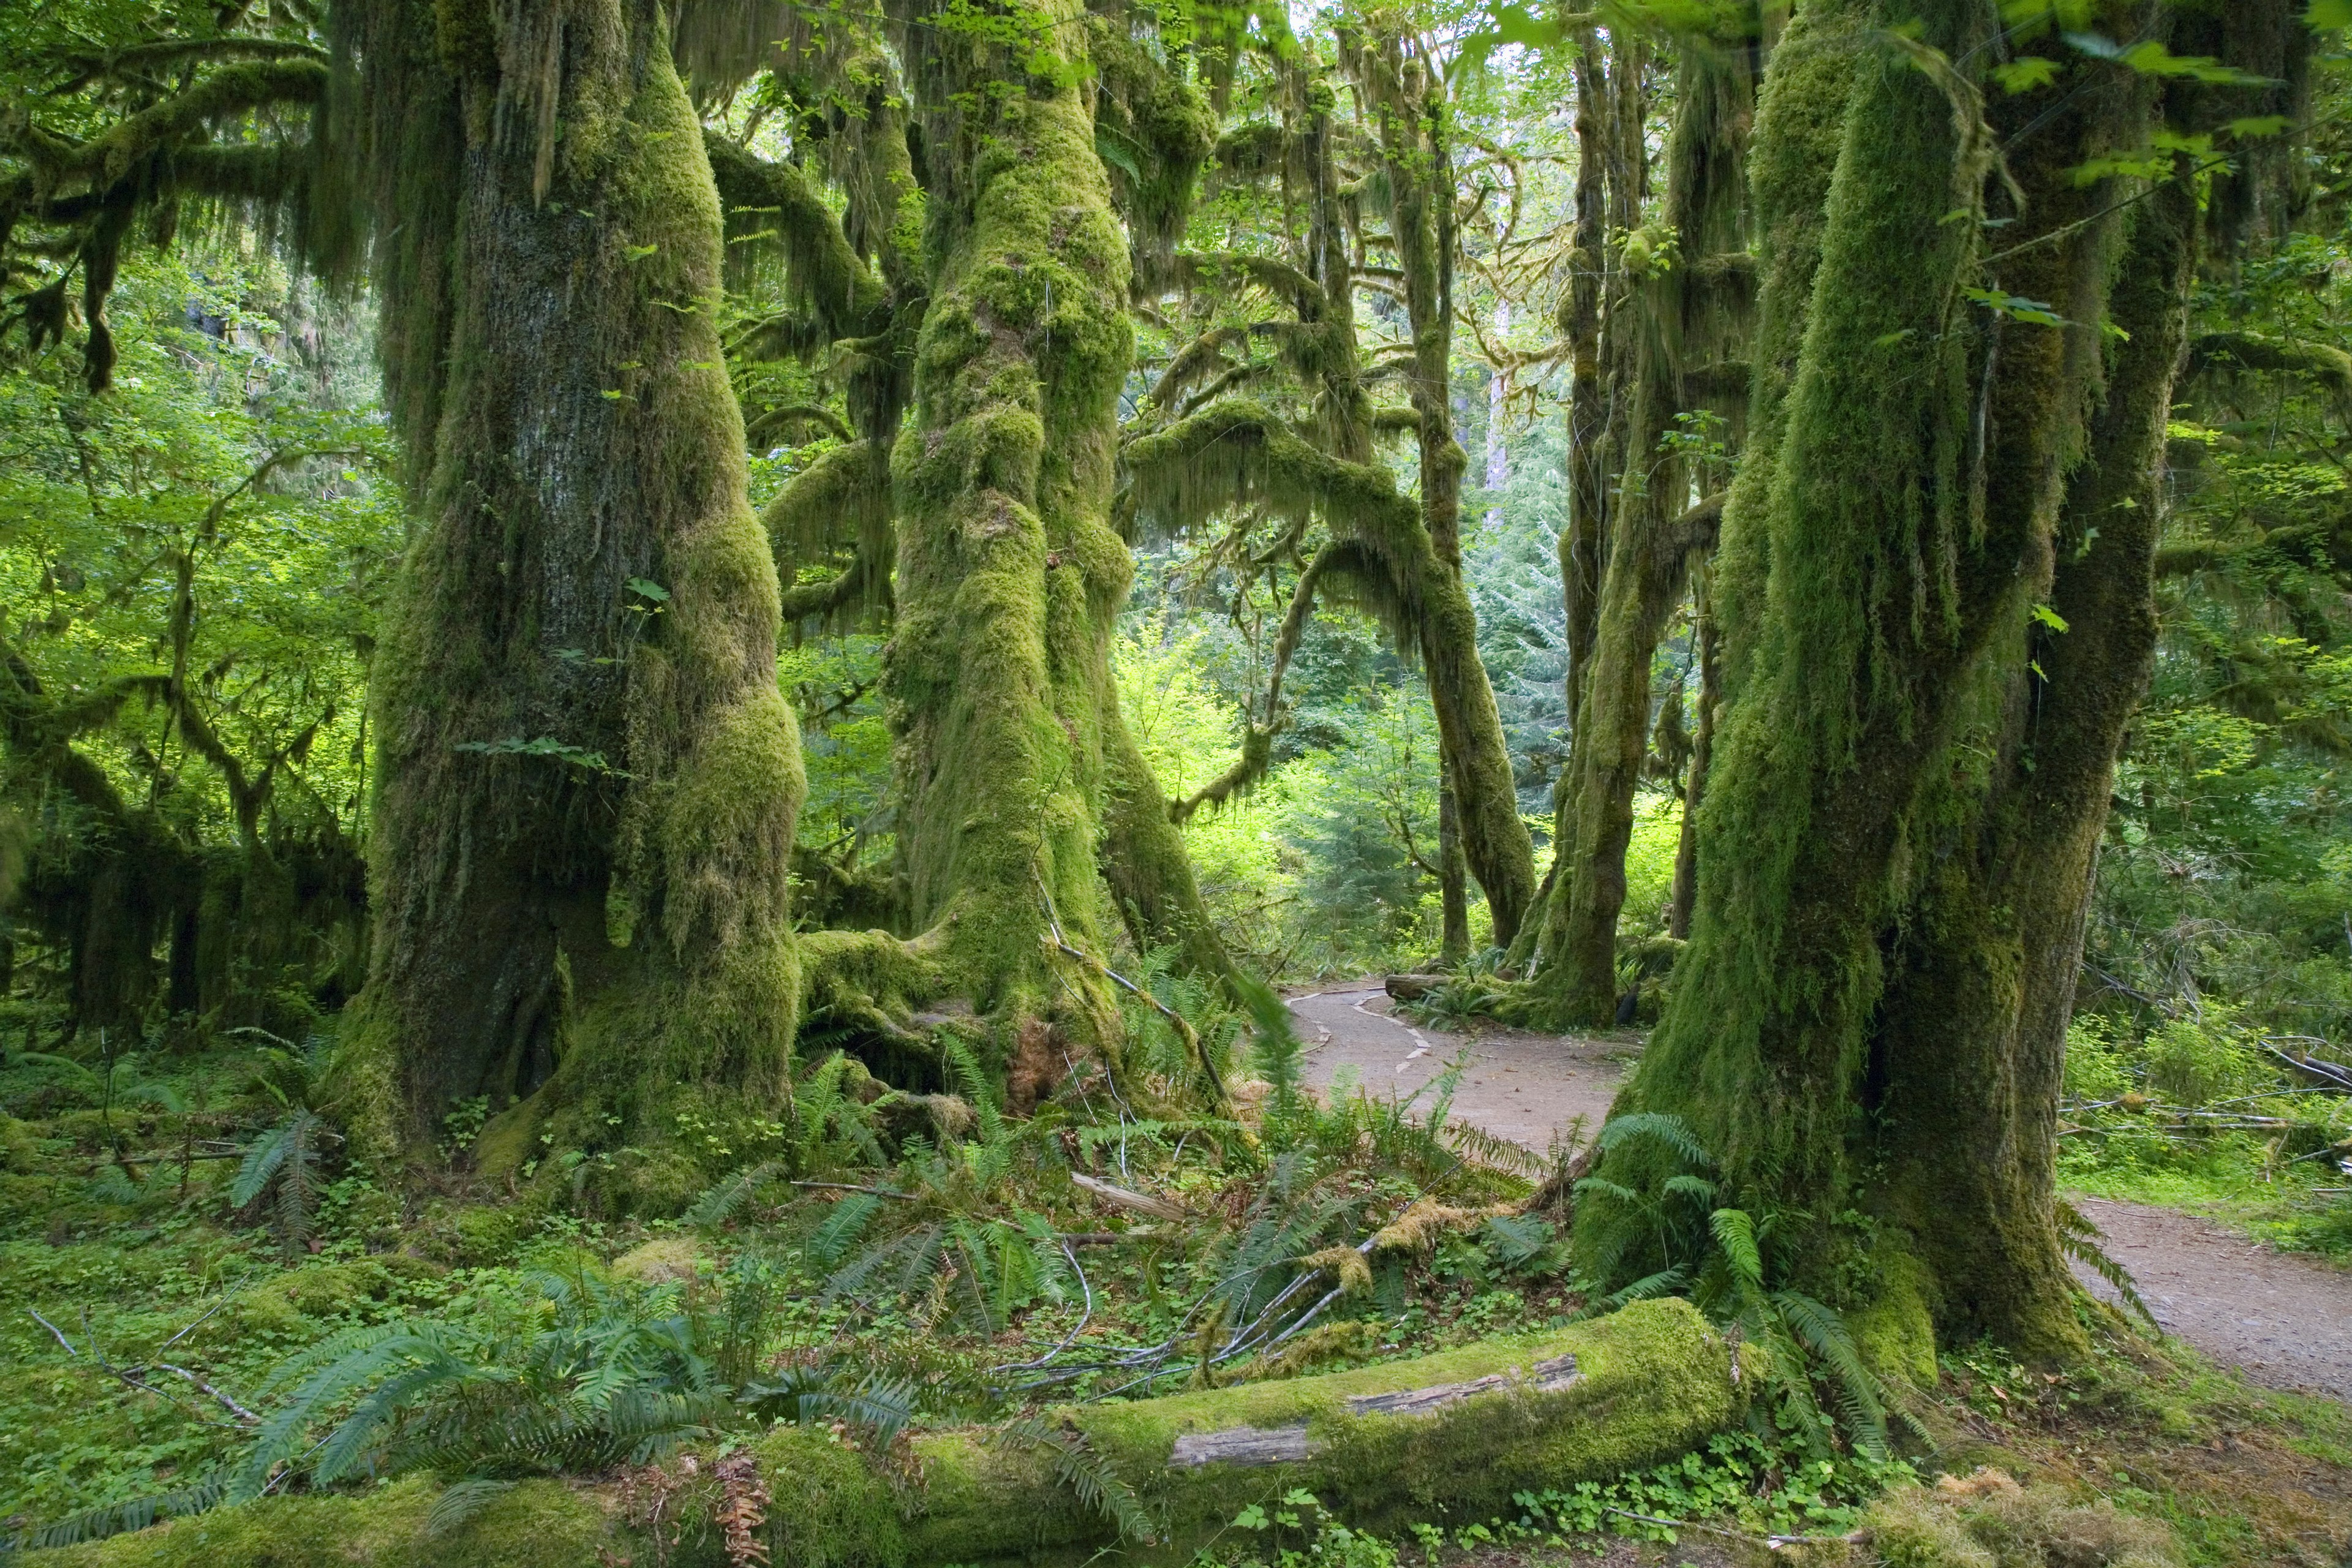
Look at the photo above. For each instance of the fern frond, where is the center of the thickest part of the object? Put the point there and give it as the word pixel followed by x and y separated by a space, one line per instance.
pixel 345 1445
pixel 121 1517
pixel 1664 1282
pixel 1491 1149
pixel 1655 1126
pixel 2078 1238
pixel 1822 1331
pixel 260 1164
pixel 841 1228
pixel 1735 1233
pixel 1089 1476
pixel 1699 1189
pixel 458 1503
pixel 718 1205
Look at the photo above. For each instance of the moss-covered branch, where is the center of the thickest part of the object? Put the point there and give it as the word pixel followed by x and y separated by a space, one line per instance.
pixel 2232 353
pixel 775 206
pixel 217 96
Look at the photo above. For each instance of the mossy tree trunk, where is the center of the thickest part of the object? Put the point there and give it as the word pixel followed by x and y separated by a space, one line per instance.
pixel 588 777
pixel 1914 496
pixel 1679 309
pixel 1705 632
pixel 1009 574
pixel 1410 113
pixel 1396 555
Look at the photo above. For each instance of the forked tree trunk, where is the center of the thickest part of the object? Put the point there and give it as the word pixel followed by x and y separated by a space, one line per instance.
pixel 1680 317
pixel 588 775
pixel 1913 494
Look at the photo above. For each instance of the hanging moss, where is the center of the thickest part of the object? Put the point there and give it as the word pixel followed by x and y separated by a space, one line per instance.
pixel 1982 986
pixel 1761 1045
pixel 1154 132
pixel 1871 900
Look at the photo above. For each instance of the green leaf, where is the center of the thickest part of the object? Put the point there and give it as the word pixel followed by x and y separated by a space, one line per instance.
pixel 2049 617
pixel 2327 16
pixel 2016 306
pixel 2025 75
pixel 645 588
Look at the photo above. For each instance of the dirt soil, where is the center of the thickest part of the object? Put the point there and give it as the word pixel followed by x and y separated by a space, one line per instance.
pixel 2285 1321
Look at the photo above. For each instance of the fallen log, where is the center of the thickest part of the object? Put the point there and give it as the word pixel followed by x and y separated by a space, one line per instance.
pixel 1413 987
pixel 1448 1436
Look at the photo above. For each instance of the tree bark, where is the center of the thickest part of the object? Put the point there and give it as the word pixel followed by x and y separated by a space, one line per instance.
pixel 1670 320
pixel 1982 979
pixel 588 777
pixel 1705 629
pixel 1411 111
pixel 1452 881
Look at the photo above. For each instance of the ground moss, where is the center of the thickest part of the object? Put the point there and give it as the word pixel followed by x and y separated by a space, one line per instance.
pixel 1896 1331
pixel 19 1149
pixel 539 1524
pixel 1988 1520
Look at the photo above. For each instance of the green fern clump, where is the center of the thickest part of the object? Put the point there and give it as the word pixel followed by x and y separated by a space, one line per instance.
pixel 1731 1266
pixel 952 1234
pixel 283 1163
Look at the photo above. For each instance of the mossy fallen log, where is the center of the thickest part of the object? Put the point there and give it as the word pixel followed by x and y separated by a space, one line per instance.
pixel 1446 1438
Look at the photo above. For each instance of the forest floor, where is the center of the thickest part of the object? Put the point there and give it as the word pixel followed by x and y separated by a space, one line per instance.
pixel 2284 1321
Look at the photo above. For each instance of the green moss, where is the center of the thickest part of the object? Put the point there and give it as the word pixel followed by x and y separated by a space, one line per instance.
pixel 830 1509
pixel 632 617
pixel 1009 577
pixel 539 1524
pixel 1989 1521
pixel 1896 1331
pixel 19 1149
pixel 1655 1383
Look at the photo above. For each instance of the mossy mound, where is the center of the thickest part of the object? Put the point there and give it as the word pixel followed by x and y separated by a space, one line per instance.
pixel 1988 1520
pixel 1649 1382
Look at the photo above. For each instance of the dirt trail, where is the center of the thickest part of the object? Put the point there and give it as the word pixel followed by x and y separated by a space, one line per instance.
pixel 2284 1321
pixel 1519 1086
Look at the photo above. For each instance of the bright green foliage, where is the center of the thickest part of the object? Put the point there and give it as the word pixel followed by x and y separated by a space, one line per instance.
pixel 193 561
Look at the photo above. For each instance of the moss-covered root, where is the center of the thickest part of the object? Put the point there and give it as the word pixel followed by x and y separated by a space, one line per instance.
pixel 1511 1414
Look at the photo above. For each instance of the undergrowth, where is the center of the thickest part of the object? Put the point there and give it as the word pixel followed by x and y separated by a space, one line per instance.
pixel 203 1298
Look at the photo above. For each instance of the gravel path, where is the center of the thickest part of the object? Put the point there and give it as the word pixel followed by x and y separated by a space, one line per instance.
pixel 2284 1321
pixel 1519 1086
